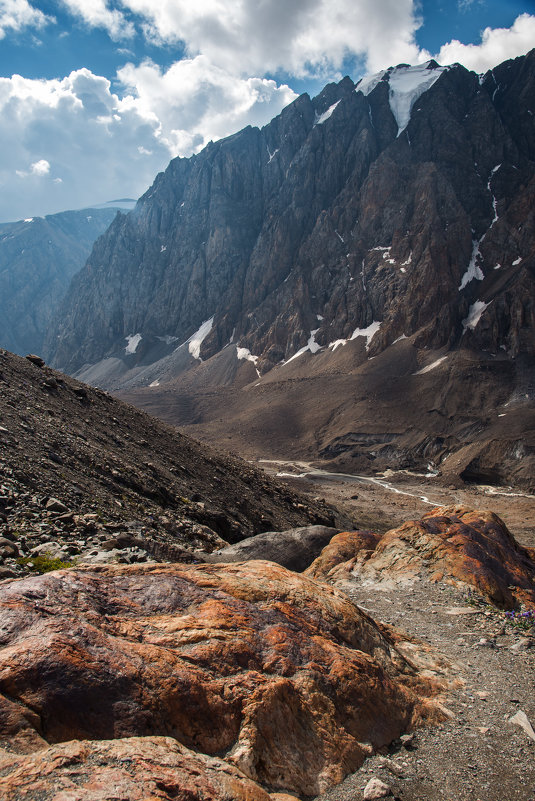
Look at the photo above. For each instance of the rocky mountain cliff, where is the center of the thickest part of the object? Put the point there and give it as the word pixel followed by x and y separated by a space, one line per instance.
pixel 400 206
pixel 38 258
pixel 354 282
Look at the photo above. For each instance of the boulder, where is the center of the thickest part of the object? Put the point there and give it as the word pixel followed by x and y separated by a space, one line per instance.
pixel 294 549
pixel 8 548
pixel 281 674
pixel 471 549
pixel 342 547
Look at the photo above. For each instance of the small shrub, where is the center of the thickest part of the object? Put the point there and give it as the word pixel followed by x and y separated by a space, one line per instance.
pixel 522 620
pixel 43 563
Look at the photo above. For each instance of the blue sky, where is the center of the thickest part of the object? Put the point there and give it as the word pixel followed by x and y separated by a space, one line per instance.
pixel 96 96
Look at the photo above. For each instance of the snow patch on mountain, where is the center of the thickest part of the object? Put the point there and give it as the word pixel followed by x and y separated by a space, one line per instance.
pixel 368 83
pixel 431 366
pixel 407 85
pixel 245 353
pixel 474 314
pixel 473 271
pixel 195 341
pixel 132 341
pixel 368 332
pixel 326 114
pixel 311 346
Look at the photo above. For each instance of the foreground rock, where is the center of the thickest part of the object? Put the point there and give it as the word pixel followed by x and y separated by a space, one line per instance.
pixel 283 676
pixel 294 549
pixel 137 768
pixel 472 549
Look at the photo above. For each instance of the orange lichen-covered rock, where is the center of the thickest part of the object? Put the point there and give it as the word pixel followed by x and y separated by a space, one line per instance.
pixel 453 544
pixel 278 673
pixel 341 549
pixel 135 768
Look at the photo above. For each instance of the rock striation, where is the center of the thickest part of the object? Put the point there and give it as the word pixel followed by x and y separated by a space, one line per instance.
pixel 86 477
pixel 133 768
pixel 282 676
pixel 453 544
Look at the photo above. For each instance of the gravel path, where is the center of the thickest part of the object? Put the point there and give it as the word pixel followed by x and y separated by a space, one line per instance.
pixel 477 755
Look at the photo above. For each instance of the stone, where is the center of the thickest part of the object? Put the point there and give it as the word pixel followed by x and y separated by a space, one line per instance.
pixel 281 673
pixel 523 644
pixel 54 505
pixel 454 544
pixel 522 720
pixel 376 789
pixel 6 572
pixel 135 768
pixel 294 549
pixel 37 360
pixel 8 548
pixel 340 549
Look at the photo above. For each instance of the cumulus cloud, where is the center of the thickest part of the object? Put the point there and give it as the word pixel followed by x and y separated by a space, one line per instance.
pixel 302 37
pixel 96 14
pixel 72 142
pixel 194 101
pixel 497 45
pixel 41 167
pixel 18 14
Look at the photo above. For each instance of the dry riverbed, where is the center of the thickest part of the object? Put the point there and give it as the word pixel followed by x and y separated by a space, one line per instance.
pixel 387 500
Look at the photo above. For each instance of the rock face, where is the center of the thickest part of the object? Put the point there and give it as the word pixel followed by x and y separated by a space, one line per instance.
pixel 367 211
pixel 282 675
pixel 342 547
pixel 352 283
pixel 38 258
pixel 473 549
pixel 136 768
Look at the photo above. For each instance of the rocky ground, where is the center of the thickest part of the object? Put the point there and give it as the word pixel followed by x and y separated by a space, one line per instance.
pixel 392 660
pixel 478 754
pixel 84 477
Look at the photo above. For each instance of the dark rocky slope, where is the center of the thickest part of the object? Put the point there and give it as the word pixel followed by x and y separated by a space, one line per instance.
pixel 38 258
pixel 82 473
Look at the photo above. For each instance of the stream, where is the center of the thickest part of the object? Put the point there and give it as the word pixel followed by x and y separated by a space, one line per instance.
pixel 315 474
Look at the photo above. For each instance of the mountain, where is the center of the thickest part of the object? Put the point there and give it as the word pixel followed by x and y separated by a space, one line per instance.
pixel 391 221
pixel 38 257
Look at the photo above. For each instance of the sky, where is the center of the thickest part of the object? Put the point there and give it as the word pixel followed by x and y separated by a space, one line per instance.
pixel 96 96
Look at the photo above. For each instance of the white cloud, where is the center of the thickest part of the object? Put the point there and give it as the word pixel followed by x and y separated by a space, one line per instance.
pixel 194 101
pixel 75 142
pixel 96 14
pixel 497 45
pixel 41 167
pixel 301 37
pixel 18 14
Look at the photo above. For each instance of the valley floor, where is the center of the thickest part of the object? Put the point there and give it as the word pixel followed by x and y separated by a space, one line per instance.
pixel 388 500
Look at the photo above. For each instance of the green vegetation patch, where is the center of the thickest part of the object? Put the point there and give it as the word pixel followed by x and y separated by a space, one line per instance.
pixel 43 563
